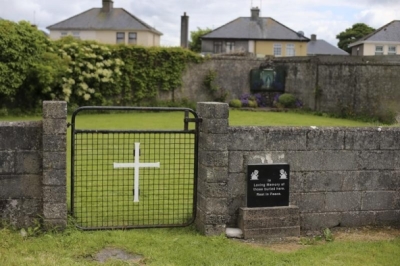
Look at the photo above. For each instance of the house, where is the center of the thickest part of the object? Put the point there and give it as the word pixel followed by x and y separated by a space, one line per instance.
pixel 383 41
pixel 258 35
pixel 322 47
pixel 107 25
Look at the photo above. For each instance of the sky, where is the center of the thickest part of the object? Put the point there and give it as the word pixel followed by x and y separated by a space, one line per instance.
pixel 324 18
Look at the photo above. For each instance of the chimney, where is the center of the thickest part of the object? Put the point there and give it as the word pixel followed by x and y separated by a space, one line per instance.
pixel 184 31
pixel 107 6
pixel 255 13
pixel 313 37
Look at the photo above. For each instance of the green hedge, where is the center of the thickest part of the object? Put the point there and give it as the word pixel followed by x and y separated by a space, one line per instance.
pixel 33 69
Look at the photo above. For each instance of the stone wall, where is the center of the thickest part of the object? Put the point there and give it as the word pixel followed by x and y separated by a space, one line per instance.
pixel 365 85
pixel 339 176
pixel 33 169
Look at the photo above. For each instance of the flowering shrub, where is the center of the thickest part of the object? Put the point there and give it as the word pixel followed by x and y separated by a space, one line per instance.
pixel 244 99
pixel 93 74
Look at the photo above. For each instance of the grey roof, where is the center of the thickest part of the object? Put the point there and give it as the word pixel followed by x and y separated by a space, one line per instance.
pixel 322 47
pixel 387 33
pixel 255 29
pixel 96 19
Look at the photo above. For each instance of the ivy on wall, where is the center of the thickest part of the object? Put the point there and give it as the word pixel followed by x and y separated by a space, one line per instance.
pixel 83 72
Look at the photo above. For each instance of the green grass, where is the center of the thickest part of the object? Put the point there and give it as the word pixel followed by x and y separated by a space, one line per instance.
pixel 251 118
pixel 157 120
pixel 184 246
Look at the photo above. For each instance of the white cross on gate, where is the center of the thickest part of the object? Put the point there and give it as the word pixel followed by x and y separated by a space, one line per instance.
pixel 136 165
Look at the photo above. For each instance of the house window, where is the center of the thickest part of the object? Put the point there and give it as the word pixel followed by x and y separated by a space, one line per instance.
pixel 379 50
pixel 64 33
pixel 230 47
pixel 76 34
pixel 392 50
pixel 277 49
pixel 217 47
pixel 132 38
pixel 290 51
pixel 120 37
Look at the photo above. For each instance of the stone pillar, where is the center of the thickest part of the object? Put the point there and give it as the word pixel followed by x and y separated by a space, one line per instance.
pixel 55 164
pixel 212 192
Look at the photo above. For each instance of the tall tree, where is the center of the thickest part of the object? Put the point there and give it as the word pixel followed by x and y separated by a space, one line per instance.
pixel 195 43
pixel 352 34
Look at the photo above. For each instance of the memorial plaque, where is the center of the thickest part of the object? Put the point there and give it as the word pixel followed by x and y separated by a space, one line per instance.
pixel 268 185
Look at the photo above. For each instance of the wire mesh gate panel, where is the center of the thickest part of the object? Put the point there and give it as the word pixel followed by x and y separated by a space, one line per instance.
pixel 132 178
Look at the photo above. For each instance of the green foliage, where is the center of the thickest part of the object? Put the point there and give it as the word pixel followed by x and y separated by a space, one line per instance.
pixel 21 47
pixel 93 75
pixel 352 34
pixel 219 93
pixel 287 100
pixel 253 104
pixel 195 43
pixel 328 236
pixel 33 69
pixel 147 70
pixel 43 81
pixel 235 103
pixel 209 80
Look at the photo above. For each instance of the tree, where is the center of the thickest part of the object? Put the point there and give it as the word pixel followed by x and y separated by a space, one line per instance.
pixel 352 34
pixel 21 46
pixel 195 44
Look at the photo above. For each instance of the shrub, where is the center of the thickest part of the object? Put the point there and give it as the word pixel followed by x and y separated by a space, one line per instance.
pixel 236 103
pixel 253 104
pixel 287 100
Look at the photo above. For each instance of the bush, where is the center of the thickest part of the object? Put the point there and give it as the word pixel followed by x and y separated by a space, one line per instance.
pixel 253 104
pixel 287 100
pixel 236 103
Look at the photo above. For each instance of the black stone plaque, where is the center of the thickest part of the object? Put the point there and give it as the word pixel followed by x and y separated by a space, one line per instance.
pixel 268 185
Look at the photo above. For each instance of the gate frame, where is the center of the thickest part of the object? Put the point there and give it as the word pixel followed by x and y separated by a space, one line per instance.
pixel 196 120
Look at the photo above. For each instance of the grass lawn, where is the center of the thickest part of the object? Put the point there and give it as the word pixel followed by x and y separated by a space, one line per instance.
pixel 236 118
pixel 184 246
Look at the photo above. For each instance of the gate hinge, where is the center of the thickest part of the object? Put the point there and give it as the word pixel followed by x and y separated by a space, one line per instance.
pixel 68 124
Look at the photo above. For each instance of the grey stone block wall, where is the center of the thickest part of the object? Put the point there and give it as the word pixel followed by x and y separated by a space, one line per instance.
pixel 339 176
pixel 366 85
pixel 33 169
pixel 20 172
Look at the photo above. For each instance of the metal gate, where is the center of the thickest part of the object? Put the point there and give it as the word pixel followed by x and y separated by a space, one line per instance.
pixel 133 178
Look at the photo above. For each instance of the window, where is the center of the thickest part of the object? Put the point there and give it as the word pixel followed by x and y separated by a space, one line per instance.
pixel 277 49
pixel 132 38
pixel 217 47
pixel 290 51
pixel 64 33
pixel 379 50
pixel 230 47
pixel 76 34
pixel 392 50
pixel 120 37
